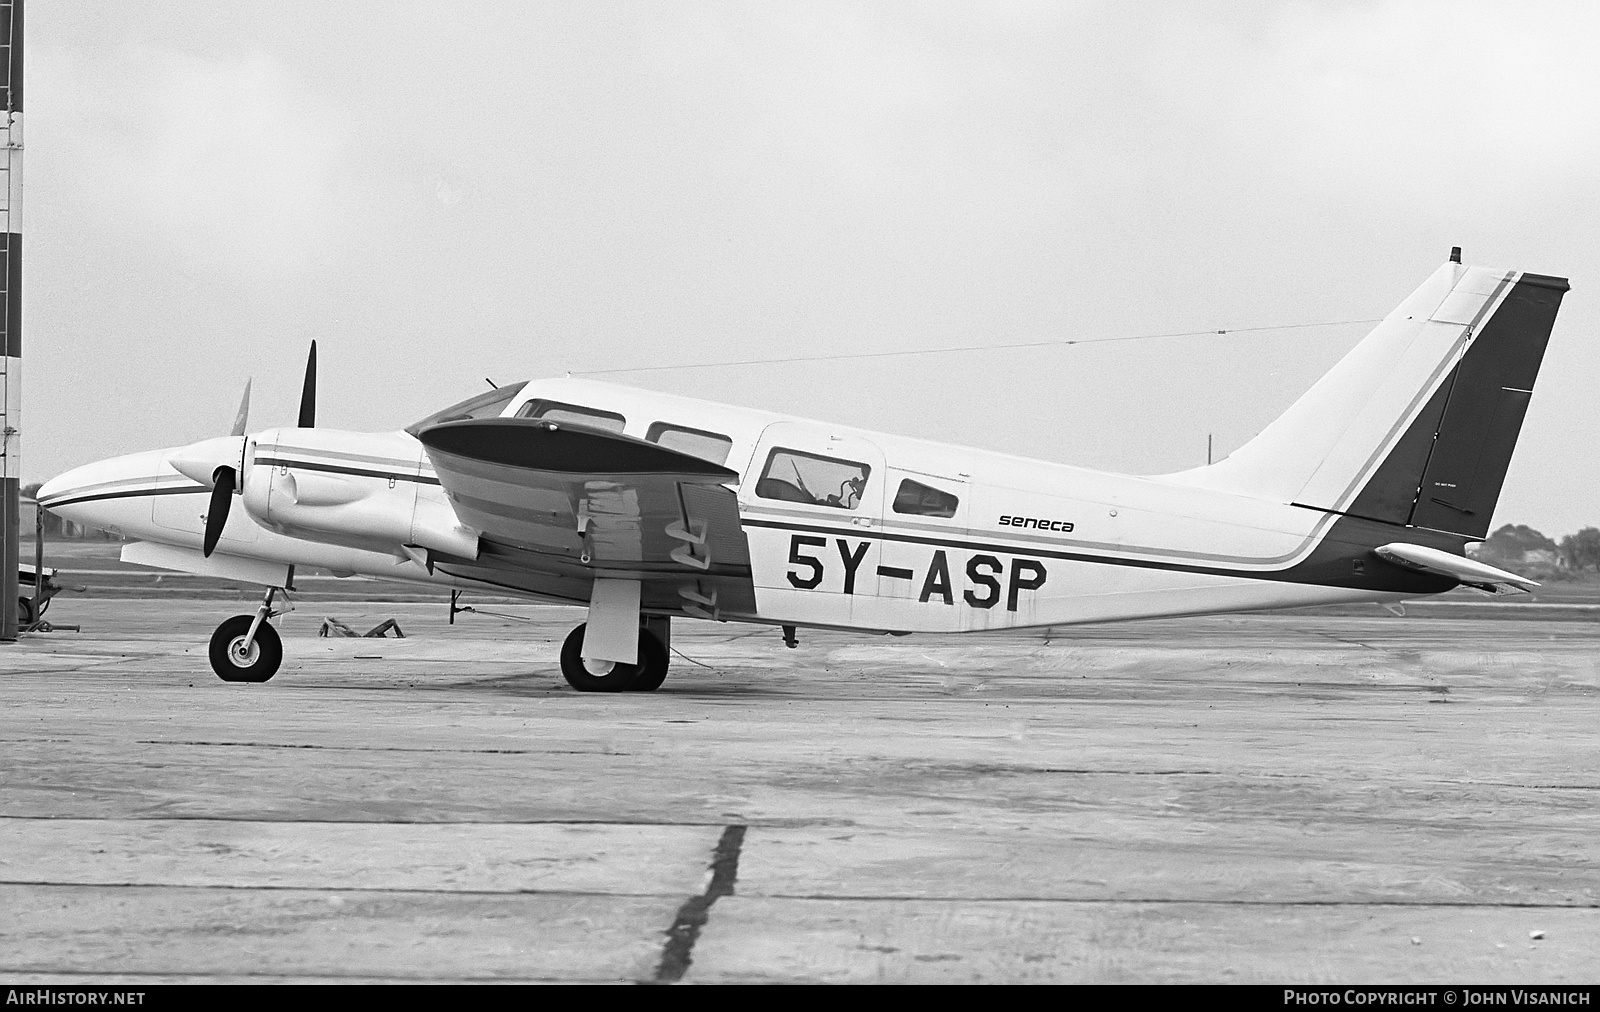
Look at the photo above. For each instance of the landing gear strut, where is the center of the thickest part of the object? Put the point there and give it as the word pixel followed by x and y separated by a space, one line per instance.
pixel 614 676
pixel 245 648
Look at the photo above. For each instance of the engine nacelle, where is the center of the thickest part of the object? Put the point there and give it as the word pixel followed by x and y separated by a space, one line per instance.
pixel 359 489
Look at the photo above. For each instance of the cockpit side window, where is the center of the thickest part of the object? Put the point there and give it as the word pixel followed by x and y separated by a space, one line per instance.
pixel 712 446
pixel 573 414
pixel 484 405
pixel 796 476
pixel 924 500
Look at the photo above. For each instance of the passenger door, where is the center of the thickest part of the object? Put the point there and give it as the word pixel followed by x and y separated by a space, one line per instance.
pixel 921 573
pixel 812 505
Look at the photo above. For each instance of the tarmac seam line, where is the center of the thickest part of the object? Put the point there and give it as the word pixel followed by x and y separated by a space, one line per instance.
pixel 677 952
pixel 376 890
pixel 1174 901
pixel 776 823
pixel 694 913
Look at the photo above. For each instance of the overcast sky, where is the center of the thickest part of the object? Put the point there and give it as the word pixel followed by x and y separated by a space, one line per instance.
pixel 443 192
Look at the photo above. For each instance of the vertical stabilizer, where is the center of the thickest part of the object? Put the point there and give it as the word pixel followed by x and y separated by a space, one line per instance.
pixel 1416 425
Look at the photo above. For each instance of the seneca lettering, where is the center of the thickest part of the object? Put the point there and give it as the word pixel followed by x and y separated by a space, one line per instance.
pixel 1037 523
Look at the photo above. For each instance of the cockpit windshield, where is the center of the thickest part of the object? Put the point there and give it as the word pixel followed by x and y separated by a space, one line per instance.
pixel 485 405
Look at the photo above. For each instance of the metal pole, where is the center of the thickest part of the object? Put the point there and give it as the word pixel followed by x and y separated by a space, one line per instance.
pixel 11 322
pixel 38 560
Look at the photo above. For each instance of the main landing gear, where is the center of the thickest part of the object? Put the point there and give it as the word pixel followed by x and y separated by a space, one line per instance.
pixel 246 648
pixel 614 676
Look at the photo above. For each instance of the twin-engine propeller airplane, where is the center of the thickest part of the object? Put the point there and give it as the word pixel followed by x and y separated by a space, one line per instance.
pixel 647 507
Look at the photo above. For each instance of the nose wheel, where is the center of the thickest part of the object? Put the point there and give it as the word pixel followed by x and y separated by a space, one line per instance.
pixel 246 648
pixel 236 657
pixel 614 676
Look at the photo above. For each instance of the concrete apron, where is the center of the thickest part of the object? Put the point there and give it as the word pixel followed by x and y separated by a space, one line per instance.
pixel 1279 799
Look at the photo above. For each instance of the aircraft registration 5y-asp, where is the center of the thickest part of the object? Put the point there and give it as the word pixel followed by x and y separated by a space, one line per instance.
pixel 647 507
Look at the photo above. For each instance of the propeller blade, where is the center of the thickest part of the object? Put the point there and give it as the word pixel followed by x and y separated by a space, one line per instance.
pixel 308 393
pixel 217 515
pixel 242 419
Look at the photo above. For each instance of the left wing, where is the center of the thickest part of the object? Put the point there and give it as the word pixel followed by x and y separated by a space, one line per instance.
pixel 559 505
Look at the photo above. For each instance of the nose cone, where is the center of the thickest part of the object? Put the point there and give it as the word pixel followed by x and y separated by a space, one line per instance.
pixel 57 487
pixel 81 482
pixel 98 494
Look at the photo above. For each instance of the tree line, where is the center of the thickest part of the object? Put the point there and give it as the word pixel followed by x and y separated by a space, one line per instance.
pixel 1521 545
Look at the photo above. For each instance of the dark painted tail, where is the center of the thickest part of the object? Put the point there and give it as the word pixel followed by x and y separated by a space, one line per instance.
pixel 1446 471
pixel 1416 425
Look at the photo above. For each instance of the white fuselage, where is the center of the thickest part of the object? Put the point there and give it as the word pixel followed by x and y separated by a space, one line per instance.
pixel 1025 542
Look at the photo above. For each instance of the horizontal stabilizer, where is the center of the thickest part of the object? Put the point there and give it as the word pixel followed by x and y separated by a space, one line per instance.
pixel 1468 571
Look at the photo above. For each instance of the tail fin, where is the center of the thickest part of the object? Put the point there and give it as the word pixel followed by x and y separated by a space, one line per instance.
pixel 1415 426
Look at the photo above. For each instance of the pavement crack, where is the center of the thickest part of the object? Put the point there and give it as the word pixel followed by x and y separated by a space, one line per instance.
pixel 677 953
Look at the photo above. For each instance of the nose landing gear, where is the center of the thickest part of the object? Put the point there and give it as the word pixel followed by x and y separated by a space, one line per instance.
pixel 245 648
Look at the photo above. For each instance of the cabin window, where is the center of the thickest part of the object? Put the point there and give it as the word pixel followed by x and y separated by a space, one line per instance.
pixel 710 446
pixel 573 414
pixel 924 501
pixel 484 405
pixel 795 476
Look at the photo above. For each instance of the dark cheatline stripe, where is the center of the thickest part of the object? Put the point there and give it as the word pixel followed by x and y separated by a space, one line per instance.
pixel 1328 565
pixel 994 547
pixel 363 472
pixel 895 572
pixel 132 493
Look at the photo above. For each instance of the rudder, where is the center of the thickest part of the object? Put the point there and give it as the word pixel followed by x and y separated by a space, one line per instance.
pixel 1482 415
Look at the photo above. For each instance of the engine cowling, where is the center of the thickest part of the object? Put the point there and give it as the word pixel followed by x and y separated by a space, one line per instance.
pixel 358 489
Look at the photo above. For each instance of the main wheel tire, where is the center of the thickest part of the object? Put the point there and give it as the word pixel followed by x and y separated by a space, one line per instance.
pixel 25 613
pixel 644 676
pixel 232 663
pixel 653 663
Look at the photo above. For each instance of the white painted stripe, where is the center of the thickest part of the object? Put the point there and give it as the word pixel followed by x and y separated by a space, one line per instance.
pixel 124 485
pixel 314 453
pixel 1022 544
